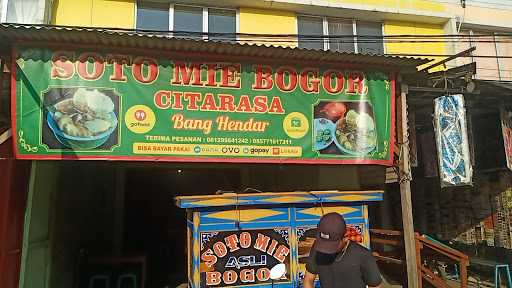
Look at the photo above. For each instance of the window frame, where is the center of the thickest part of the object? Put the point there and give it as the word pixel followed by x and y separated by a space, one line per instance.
pixel 325 25
pixel 204 19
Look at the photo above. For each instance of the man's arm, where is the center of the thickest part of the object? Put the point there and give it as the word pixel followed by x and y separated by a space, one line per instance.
pixel 311 270
pixel 309 280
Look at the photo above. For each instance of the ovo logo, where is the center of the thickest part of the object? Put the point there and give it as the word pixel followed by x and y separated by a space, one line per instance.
pixel 140 115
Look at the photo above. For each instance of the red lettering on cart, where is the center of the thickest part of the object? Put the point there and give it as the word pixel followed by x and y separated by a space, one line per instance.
pixel 231 242
pixel 263 274
pixel 281 253
pixel 245 240
pixel 220 249
pixel 272 247
pixel 209 258
pixel 247 276
pixel 230 277
pixel 261 242
pixel 213 278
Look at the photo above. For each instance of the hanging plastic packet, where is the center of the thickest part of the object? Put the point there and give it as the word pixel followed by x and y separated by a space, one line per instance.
pixel 452 141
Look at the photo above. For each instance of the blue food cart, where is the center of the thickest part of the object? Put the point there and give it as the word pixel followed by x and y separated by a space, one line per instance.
pixel 234 240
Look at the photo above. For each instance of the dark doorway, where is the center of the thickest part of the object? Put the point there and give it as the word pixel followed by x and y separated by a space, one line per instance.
pixel 154 226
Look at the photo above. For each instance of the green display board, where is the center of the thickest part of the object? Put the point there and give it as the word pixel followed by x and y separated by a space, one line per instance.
pixel 87 104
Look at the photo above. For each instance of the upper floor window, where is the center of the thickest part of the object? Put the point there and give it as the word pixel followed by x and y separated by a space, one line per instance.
pixel 184 18
pixel 23 12
pixel 373 45
pixel 187 18
pixel 152 16
pixel 312 29
pixel 309 26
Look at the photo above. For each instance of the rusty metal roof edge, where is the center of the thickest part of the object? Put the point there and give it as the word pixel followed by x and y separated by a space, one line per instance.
pixel 20 32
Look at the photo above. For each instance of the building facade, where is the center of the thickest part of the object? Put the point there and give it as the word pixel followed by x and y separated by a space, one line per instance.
pixel 295 17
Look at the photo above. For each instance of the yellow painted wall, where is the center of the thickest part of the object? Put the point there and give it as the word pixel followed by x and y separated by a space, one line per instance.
pixel 409 28
pixel 94 13
pixel 72 12
pixel 420 5
pixel 257 21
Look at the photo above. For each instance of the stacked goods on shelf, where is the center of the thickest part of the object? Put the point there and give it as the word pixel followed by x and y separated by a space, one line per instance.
pixel 501 227
pixel 479 233
pixel 506 200
pixel 501 204
pixel 504 211
pixel 480 214
pixel 467 237
pixel 488 225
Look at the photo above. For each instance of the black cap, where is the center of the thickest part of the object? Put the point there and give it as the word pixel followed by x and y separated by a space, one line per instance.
pixel 331 230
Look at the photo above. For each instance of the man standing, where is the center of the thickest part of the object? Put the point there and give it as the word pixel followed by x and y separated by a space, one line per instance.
pixel 338 261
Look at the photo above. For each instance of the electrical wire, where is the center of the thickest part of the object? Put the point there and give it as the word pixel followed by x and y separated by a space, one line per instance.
pixel 260 35
pixel 276 39
pixel 346 38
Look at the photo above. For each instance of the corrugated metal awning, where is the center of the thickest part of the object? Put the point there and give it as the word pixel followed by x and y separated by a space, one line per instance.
pixel 12 34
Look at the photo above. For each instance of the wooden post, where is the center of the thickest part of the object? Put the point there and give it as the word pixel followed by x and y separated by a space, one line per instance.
pixel 464 273
pixel 418 246
pixel 413 279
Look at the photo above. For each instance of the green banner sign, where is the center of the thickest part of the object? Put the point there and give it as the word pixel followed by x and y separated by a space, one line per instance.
pixel 94 105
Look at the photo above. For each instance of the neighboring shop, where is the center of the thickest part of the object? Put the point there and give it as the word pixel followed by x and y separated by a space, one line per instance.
pixel 477 213
pixel 230 130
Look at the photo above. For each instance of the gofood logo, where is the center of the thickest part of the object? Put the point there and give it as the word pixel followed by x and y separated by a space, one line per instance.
pixel 140 115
